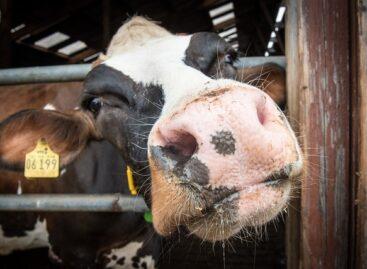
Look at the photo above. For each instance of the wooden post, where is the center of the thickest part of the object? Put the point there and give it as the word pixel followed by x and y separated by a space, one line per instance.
pixel 320 85
pixel 291 49
pixel 359 130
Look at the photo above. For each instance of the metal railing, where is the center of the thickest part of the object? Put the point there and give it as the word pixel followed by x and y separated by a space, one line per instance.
pixel 38 74
pixel 77 72
pixel 252 61
pixel 72 202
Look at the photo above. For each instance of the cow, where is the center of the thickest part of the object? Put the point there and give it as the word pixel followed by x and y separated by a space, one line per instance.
pixel 208 152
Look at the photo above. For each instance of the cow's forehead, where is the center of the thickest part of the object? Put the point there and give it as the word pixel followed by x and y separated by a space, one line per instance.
pixel 161 62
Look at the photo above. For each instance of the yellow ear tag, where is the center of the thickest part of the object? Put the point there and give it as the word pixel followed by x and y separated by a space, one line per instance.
pixel 42 162
pixel 130 181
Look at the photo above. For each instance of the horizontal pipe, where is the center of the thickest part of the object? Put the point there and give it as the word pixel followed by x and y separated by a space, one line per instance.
pixel 252 61
pixel 39 74
pixel 77 72
pixel 72 202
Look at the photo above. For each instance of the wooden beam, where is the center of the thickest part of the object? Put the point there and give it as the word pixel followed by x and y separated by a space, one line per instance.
pixel 271 23
pixel 323 89
pixel 359 131
pixel 293 104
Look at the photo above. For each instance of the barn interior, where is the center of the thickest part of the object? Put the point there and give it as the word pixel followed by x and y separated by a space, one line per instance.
pixel 41 33
pixel 65 31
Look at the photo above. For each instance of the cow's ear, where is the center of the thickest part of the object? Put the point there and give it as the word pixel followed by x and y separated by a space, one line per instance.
pixel 269 77
pixel 66 133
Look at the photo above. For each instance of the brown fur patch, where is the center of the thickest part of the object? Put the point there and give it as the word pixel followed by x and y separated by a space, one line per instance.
pixel 269 77
pixel 171 203
pixel 66 133
pixel 13 98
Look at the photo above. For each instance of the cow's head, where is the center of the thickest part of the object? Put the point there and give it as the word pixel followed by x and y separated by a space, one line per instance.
pixel 221 154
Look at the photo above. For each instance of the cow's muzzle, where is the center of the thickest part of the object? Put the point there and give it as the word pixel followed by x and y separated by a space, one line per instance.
pixel 228 154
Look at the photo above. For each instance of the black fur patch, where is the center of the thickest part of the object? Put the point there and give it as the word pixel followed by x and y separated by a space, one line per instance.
pixel 126 117
pixel 206 53
pixel 216 195
pixel 224 142
pixel 193 171
pixel 121 261
pixel 144 265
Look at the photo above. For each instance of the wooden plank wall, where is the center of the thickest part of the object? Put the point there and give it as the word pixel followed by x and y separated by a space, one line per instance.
pixel 319 85
pixel 359 129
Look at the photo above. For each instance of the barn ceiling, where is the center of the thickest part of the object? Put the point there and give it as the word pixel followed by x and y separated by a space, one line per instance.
pixel 41 32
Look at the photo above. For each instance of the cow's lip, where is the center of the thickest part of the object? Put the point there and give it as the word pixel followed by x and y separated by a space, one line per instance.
pixel 232 198
pixel 224 199
pixel 276 179
pixel 278 176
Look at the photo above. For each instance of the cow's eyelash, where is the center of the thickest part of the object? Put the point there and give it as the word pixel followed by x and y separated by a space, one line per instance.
pixel 121 98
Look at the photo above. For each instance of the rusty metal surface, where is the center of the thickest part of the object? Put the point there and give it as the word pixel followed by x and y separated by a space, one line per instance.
pixel 323 39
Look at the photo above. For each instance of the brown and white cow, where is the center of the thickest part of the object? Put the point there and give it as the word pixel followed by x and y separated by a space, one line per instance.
pixel 221 153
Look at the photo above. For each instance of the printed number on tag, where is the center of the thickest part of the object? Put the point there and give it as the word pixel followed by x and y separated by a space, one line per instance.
pixel 42 162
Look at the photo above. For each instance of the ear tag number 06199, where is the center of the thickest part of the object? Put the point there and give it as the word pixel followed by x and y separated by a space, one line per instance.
pixel 42 162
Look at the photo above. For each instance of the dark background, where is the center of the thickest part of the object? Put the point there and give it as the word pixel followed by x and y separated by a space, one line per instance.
pixel 94 22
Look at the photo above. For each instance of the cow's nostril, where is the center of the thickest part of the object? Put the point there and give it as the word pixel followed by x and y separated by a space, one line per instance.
pixel 180 146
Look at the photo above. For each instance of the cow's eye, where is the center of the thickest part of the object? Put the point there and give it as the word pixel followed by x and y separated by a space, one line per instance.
pixel 94 105
pixel 229 58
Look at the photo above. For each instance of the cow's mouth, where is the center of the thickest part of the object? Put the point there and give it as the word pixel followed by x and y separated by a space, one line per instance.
pixel 218 213
pixel 224 208
pixel 222 197
pixel 221 212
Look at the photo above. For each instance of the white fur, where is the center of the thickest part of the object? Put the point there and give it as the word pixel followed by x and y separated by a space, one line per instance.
pixel 133 33
pixel 19 189
pixel 63 171
pixel 38 237
pixel 53 256
pixel 160 62
pixel 49 107
pixel 128 252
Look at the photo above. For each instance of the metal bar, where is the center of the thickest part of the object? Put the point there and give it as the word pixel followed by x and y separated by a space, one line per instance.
pixel 77 72
pixel 72 202
pixel 37 74
pixel 252 61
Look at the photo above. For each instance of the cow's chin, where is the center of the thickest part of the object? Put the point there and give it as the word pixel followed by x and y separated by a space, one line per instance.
pixel 175 203
pixel 247 208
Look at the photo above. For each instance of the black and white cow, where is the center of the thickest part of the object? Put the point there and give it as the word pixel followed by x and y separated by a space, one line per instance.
pixel 76 240
pixel 221 154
